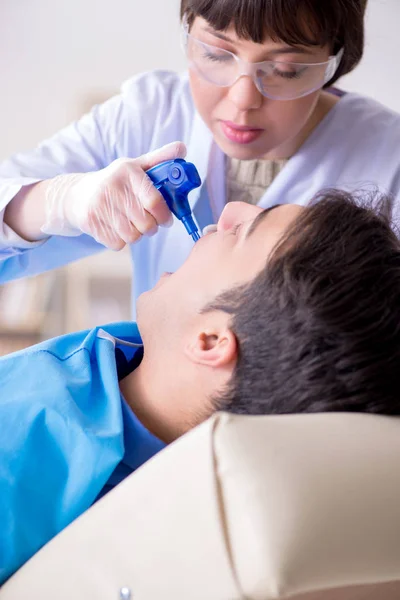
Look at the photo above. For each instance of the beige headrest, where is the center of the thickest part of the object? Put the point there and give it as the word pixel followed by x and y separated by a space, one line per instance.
pixel 305 507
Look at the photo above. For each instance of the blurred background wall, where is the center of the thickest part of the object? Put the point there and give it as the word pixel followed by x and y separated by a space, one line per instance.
pixel 57 59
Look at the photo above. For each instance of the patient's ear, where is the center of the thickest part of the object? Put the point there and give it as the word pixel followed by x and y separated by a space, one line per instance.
pixel 213 347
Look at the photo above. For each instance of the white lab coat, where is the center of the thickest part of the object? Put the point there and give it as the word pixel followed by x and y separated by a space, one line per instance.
pixel 356 145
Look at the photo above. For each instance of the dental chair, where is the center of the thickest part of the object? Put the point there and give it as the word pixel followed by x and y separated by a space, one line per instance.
pixel 305 507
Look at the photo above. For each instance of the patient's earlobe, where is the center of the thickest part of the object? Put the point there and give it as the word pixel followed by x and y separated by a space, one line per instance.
pixel 213 348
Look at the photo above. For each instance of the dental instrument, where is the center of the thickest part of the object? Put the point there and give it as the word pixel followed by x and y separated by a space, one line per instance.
pixel 175 179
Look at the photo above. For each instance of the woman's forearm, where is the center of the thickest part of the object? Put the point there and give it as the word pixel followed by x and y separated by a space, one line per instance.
pixel 26 213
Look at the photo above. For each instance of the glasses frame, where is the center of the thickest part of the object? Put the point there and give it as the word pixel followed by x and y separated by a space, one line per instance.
pixel 250 69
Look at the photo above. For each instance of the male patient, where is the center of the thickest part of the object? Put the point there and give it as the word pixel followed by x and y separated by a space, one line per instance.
pixel 285 310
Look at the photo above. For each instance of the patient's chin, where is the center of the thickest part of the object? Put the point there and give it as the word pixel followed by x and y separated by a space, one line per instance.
pixel 144 302
pixel 158 284
pixel 163 277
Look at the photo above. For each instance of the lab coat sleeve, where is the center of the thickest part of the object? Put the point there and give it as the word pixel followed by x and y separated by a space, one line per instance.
pixel 151 110
pixel 62 437
pixel 81 147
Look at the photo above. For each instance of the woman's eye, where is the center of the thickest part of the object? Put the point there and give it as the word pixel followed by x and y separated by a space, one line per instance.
pixel 217 57
pixel 289 74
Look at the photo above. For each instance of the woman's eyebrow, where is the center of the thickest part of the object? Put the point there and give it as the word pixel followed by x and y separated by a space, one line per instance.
pixel 258 220
pixel 290 50
pixel 218 34
pixel 274 51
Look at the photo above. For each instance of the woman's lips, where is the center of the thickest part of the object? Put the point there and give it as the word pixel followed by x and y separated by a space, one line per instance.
pixel 240 134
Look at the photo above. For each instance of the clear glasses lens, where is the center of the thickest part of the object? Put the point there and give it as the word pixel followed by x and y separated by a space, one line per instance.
pixel 290 80
pixel 215 65
pixel 275 79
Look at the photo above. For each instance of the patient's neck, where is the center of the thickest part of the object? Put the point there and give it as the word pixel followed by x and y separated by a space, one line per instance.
pixel 144 394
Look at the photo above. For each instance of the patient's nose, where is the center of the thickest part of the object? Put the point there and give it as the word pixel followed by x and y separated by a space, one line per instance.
pixel 235 213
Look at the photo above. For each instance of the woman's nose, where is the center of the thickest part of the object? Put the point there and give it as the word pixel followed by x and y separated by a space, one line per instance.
pixel 235 213
pixel 244 94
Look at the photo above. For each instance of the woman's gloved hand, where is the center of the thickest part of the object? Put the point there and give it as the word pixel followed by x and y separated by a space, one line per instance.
pixel 116 205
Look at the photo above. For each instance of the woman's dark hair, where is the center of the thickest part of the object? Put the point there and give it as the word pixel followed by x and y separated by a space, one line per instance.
pixel 319 328
pixel 337 23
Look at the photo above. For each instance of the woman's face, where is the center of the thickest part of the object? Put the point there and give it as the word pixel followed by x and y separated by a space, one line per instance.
pixel 244 123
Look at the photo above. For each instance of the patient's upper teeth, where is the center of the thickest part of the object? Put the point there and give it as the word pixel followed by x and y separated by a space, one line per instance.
pixel 210 229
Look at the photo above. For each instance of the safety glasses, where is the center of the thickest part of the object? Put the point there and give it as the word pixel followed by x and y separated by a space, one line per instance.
pixel 275 79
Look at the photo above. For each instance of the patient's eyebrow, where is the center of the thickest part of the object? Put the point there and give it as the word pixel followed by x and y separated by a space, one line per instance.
pixel 258 220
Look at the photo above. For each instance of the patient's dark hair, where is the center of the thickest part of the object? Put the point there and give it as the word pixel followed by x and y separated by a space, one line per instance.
pixel 319 328
pixel 337 23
